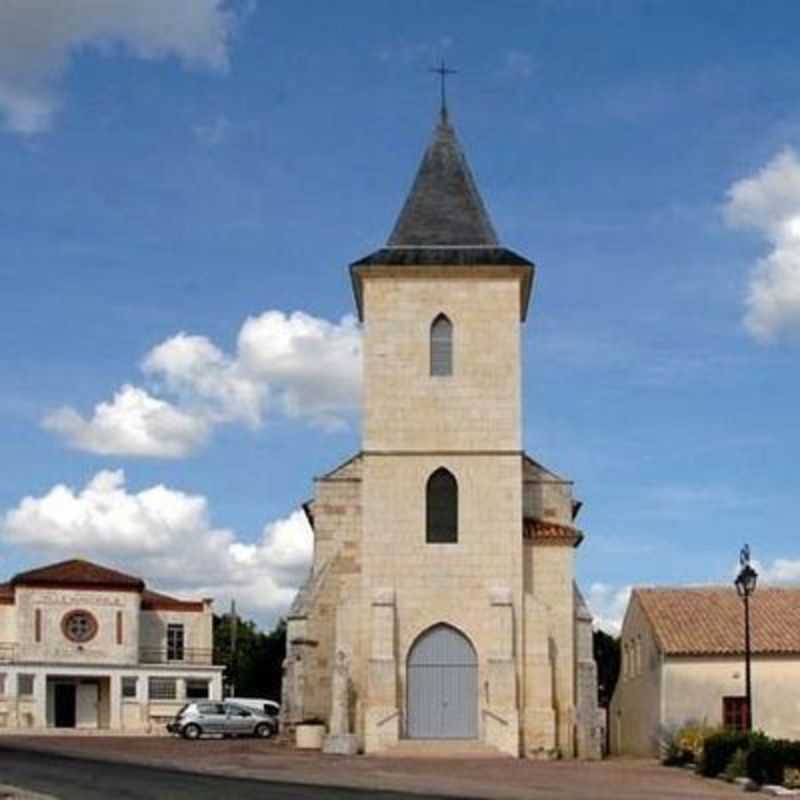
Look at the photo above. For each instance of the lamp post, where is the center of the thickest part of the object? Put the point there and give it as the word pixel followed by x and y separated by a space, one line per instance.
pixel 745 586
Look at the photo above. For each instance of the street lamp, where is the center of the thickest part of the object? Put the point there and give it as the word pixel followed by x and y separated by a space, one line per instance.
pixel 745 586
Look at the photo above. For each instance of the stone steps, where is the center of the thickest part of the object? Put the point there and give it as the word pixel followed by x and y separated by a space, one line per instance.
pixel 442 748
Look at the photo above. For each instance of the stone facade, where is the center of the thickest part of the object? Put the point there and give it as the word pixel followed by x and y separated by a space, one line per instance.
pixel 507 584
pixel 50 679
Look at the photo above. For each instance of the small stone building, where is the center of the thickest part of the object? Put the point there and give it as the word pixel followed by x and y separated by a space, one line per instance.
pixel 84 646
pixel 443 568
pixel 683 662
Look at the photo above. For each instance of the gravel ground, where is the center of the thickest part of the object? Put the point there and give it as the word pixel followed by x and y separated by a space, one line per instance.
pixel 502 778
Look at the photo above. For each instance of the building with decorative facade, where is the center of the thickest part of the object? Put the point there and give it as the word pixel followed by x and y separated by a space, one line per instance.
pixel 84 646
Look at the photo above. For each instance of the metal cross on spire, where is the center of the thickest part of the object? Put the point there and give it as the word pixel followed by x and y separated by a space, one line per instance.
pixel 443 71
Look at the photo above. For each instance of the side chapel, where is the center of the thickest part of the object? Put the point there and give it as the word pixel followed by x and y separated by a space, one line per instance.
pixel 443 571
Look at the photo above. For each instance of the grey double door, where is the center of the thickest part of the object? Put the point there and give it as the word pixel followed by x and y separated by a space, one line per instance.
pixel 442 677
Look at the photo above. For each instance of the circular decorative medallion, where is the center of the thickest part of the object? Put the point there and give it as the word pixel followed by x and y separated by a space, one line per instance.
pixel 79 626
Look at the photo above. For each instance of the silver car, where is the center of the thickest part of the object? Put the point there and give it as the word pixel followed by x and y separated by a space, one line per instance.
pixel 226 719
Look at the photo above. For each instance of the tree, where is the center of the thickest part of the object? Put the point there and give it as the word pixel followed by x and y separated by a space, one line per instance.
pixel 607 655
pixel 259 663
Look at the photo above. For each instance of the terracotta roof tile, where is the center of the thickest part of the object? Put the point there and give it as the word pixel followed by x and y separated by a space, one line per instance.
pixel 6 594
pixel 77 572
pixel 547 532
pixel 155 601
pixel 710 620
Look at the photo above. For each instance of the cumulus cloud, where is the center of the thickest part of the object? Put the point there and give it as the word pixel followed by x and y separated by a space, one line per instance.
pixel 293 365
pixel 165 536
pixel 769 201
pixel 133 423
pixel 38 38
pixel 608 604
pixel 781 571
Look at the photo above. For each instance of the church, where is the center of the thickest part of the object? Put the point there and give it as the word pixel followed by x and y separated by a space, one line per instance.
pixel 443 570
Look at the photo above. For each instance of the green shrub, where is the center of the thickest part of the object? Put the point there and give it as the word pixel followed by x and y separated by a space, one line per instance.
pixel 737 766
pixel 719 749
pixel 766 759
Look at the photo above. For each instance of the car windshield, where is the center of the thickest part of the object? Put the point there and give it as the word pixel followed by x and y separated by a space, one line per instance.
pixel 183 708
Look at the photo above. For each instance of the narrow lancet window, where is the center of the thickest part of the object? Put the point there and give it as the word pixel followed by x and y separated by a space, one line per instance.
pixel 442 508
pixel 442 346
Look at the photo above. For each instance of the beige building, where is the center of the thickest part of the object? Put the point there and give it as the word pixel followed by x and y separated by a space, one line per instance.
pixel 683 661
pixel 84 646
pixel 443 572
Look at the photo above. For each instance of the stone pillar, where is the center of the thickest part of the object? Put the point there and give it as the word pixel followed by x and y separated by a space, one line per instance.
pixel 501 713
pixel 40 700
pixel 12 699
pixel 382 723
pixel 215 687
pixel 539 720
pixel 589 717
pixel 115 701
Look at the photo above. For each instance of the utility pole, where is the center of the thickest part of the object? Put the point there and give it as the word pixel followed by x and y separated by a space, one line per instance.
pixel 234 623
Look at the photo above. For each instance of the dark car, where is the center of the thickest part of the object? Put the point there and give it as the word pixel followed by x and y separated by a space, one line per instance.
pixel 227 719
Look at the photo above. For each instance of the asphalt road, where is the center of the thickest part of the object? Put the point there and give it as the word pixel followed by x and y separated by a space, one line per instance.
pixel 77 779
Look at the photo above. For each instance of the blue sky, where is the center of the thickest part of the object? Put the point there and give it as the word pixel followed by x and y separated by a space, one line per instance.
pixel 173 172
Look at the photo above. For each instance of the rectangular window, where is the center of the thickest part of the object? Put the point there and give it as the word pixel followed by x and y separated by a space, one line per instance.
pixel 129 687
pixel 174 642
pixel 25 685
pixel 119 627
pixel 163 689
pixel 2 684
pixel 196 689
pixel 734 713
pixel 37 625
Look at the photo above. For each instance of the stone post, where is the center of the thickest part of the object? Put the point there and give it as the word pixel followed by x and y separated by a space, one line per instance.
pixel 501 713
pixel 340 741
pixel 382 724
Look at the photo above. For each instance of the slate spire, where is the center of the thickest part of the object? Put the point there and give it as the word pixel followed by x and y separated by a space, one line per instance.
pixel 443 208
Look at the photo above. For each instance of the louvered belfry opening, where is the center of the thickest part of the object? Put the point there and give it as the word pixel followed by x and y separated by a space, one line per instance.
pixel 442 346
pixel 442 508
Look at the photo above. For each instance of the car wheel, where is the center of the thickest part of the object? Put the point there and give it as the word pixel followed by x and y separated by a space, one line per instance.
pixel 192 731
pixel 263 731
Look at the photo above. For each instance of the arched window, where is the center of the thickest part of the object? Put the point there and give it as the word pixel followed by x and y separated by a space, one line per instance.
pixel 442 346
pixel 442 508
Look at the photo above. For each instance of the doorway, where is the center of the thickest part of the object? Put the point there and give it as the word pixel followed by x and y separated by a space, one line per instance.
pixel 64 705
pixel 442 686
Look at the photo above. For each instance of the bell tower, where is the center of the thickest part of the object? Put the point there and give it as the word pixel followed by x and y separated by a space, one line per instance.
pixel 441 571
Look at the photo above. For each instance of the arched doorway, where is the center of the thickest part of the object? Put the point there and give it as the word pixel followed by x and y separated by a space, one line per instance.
pixel 442 680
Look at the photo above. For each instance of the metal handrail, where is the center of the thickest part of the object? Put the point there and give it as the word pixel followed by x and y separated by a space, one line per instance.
pixel 185 655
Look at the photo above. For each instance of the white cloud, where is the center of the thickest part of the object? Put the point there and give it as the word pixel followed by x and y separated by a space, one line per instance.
pixel 165 536
pixel 769 201
pixel 608 604
pixel 38 38
pixel 312 366
pixel 133 423
pixel 780 571
pixel 294 365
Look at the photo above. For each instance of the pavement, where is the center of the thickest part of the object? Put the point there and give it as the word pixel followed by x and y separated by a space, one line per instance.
pixel 304 774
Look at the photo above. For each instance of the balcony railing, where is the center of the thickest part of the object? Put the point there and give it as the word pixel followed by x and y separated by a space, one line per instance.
pixel 8 652
pixel 185 655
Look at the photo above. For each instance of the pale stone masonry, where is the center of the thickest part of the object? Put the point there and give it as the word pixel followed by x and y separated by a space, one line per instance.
pixel 383 590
